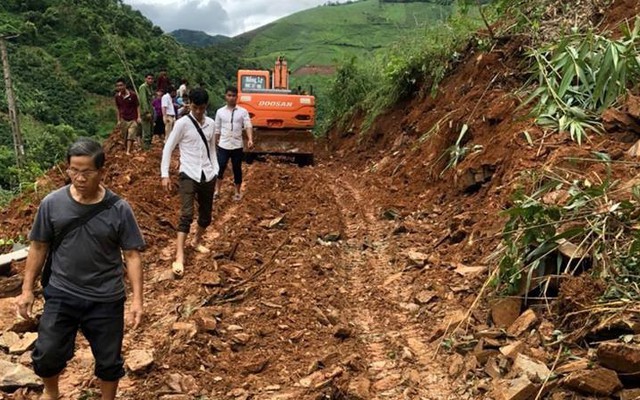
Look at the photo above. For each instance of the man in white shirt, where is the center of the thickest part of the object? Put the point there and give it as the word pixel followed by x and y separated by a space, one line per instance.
pixel 194 133
pixel 230 121
pixel 168 110
pixel 183 90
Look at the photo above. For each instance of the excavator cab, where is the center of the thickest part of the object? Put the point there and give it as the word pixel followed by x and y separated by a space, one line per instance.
pixel 282 119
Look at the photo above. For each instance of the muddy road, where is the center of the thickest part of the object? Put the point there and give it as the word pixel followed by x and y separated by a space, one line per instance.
pixel 307 294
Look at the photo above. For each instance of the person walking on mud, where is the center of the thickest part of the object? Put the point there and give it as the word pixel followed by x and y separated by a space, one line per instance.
pixel 230 121
pixel 145 91
pixel 84 228
pixel 194 133
pixel 168 111
pixel 128 115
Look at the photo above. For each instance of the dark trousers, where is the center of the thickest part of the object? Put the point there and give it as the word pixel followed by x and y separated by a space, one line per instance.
pixel 101 323
pixel 200 192
pixel 147 126
pixel 158 126
pixel 236 163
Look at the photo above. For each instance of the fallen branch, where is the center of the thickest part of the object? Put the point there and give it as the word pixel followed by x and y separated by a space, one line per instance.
pixel 240 297
pixel 470 310
pixel 234 249
pixel 264 267
pixel 553 368
pixel 231 295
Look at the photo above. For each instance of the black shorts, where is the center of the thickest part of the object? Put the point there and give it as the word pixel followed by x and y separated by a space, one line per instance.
pixel 101 323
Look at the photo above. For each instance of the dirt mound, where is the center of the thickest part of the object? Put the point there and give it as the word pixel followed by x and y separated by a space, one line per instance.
pixel 315 70
pixel 458 210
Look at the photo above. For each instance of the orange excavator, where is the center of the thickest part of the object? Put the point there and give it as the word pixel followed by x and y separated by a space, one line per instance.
pixel 282 118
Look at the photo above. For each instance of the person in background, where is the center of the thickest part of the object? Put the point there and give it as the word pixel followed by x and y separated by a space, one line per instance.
pixel 85 288
pixel 198 171
pixel 163 81
pixel 230 121
pixel 183 90
pixel 178 103
pixel 128 115
pixel 168 111
pixel 158 124
pixel 185 109
pixel 145 92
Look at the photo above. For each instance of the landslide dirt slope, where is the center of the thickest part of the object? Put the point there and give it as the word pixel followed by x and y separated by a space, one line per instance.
pixel 305 282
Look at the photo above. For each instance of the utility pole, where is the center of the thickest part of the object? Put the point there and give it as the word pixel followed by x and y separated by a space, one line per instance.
pixel 11 102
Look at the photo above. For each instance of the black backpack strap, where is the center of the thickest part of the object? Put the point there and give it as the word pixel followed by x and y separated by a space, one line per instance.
pixel 104 205
pixel 204 139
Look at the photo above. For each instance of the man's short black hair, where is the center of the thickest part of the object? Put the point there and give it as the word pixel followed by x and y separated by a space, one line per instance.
pixel 170 89
pixel 121 80
pixel 198 96
pixel 87 147
pixel 149 74
pixel 231 89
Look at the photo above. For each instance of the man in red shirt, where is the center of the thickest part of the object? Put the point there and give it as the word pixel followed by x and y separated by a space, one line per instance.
pixel 128 115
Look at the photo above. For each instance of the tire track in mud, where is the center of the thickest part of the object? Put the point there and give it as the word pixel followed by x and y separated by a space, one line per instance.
pixel 401 364
pixel 279 314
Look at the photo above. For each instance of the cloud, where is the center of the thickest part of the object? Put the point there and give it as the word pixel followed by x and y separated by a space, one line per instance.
pixel 207 15
pixel 225 17
pixel 250 14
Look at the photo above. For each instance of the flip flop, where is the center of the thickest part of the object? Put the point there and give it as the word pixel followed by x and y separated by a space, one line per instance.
pixel 201 249
pixel 177 268
pixel 237 197
pixel 216 195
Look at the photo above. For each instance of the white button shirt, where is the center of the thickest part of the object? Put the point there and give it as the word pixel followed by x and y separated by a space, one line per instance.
pixel 193 153
pixel 229 125
pixel 167 102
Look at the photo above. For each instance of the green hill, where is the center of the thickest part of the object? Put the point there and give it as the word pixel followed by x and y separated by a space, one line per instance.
pixel 329 34
pixel 197 38
pixel 65 61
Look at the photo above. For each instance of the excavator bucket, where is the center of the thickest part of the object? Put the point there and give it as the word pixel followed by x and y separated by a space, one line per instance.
pixel 286 142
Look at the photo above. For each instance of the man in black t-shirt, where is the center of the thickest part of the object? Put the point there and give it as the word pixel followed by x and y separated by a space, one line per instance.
pixel 86 287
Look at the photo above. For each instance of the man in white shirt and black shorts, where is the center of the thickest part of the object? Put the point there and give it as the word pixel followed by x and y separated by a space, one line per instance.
pixel 194 133
pixel 230 121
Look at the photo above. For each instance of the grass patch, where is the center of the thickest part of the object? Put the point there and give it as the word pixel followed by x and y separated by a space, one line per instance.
pixel 326 35
pixel 414 66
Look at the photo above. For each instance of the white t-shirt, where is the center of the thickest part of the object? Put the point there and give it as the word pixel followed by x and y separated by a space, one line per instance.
pixel 193 153
pixel 182 90
pixel 167 102
pixel 229 125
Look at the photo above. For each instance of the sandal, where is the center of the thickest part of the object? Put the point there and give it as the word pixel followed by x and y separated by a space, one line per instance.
pixel 201 249
pixel 237 197
pixel 178 269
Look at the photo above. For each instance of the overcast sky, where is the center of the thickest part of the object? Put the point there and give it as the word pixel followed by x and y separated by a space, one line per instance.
pixel 224 17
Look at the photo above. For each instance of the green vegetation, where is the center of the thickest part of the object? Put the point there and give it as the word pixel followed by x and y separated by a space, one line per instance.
pixel 64 63
pixel 562 222
pixel 327 35
pixel 580 76
pixel 415 65
pixel 458 151
pixel 197 38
